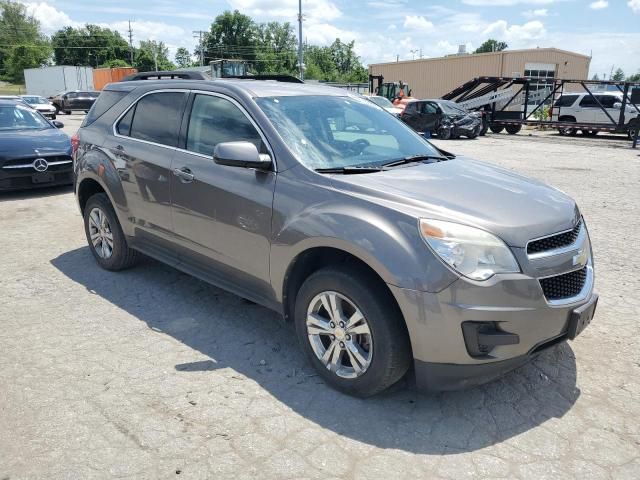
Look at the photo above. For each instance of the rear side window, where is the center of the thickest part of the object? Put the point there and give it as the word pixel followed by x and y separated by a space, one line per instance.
pixel 106 100
pixel 588 101
pixel 157 118
pixel 566 100
pixel 430 108
pixel 607 101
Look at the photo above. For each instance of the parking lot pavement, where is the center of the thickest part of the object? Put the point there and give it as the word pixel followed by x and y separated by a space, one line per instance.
pixel 150 373
pixel 71 122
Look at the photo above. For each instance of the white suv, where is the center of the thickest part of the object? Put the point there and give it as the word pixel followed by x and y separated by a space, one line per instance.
pixel 583 108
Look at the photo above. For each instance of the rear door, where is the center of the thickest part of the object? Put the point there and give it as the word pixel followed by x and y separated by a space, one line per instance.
pixel 411 115
pixel 222 214
pixel 607 102
pixel 143 144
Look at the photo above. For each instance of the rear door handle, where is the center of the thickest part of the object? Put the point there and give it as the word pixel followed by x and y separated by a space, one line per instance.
pixel 184 174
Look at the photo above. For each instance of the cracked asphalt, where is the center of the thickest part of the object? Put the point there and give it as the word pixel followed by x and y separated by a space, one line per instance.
pixel 152 374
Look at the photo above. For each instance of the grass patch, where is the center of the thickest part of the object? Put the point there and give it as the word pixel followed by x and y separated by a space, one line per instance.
pixel 11 89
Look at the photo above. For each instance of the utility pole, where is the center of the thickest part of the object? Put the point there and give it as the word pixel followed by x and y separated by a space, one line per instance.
pixel 199 34
pixel 130 43
pixel 420 52
pixel 300 59
pixel 413 54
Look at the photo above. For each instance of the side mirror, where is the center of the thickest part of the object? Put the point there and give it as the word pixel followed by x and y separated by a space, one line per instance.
pixel 241 154
pixel 57 124
pixel 438 110
pixel 617 105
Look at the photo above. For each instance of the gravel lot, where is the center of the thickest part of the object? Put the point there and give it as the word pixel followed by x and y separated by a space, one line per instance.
pixel 152 374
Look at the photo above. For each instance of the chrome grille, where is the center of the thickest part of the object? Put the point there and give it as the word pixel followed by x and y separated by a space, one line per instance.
pixel 564 286
pixel 552 242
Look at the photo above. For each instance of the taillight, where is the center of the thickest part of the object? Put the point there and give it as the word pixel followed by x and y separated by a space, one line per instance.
pixel 75 143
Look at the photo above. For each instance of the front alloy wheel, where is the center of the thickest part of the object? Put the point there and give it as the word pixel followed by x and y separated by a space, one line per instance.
pixel 100 233
pixel 339 335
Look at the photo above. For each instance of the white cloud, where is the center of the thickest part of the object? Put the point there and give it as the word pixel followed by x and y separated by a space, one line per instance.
pixel 315 11
pixel 506 3
pixel 417 22
pixel 634 5
pixel 540 12
pixel 599 5
pixel 49 17
pixel 516 35
pixel 325 34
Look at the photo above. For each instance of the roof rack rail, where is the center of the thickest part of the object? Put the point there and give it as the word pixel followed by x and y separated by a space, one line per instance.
pixel 167 75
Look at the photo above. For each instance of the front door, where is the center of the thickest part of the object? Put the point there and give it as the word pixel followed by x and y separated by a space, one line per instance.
pixel 430 117
pixel 412 115
pixel 221 214
pixel 143 148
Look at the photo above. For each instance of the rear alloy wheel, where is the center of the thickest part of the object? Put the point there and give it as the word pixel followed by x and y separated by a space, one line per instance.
pixel 351 331
pixel 496 128
pixel 632 132
pixel 104 235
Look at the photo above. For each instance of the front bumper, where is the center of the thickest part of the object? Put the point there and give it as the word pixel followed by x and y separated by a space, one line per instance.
pixel 467 129
pixel 515 304
pixel 27 178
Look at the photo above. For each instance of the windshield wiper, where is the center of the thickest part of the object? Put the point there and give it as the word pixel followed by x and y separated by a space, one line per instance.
pixel 414 159
pixel 350 170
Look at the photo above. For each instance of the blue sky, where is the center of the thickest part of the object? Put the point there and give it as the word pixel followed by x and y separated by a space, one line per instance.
pixel 382 29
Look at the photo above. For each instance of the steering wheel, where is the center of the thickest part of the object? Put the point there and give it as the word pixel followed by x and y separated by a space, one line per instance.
pixel 359 145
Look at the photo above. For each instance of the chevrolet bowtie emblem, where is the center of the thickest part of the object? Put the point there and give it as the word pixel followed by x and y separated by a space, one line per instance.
pixel 581 258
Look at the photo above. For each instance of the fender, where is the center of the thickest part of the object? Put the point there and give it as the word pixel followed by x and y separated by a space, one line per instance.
pixel 385 239
pixel 96 164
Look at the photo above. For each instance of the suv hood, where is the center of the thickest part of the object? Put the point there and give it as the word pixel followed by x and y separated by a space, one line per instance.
pixel 513 207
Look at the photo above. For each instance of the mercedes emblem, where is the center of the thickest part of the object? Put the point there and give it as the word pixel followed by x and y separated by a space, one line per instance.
pixel 40 164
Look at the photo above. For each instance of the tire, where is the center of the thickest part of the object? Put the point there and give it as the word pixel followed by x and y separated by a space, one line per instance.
pixel 444 133
pixel 572 132
pixel 388 351
pixel 67 112
pixel 485 127
pixel 632 132
pixel 53 117
pixel 496 129
pixel 57 109
pixel 121 256
pixel 513 129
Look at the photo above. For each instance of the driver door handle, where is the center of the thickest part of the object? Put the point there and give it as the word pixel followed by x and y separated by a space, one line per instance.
pixel 184 174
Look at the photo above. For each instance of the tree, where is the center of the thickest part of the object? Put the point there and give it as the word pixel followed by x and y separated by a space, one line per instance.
pixel 595 77
pixel 89 45
pixel 115 64
pixel 232 35
pixel 618 75
pixel 275 48
pixel 491 45
pixel 151 54
pixel 183 58
pixel 634 78
pixel 22 45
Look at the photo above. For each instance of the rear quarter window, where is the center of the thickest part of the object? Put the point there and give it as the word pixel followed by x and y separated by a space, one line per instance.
pixel 102 105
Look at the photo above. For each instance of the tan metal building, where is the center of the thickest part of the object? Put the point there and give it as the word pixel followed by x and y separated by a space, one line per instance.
pixel 433 77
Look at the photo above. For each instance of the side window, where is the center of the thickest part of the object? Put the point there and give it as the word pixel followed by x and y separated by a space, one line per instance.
pixel 124 125
pixel 566 100
pixel 157 118
pixel 215 120
pixel 588 101
pixel 607 101
pixel 411 107
pixel 430 108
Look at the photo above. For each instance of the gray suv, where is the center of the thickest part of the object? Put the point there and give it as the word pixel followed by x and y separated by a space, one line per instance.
pixel 384 251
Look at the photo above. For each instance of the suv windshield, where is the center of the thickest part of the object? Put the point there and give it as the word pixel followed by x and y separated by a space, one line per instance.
pixel 17 117
pixel 381 101
pixel 451 108
pixel 35 100
pixel 335 131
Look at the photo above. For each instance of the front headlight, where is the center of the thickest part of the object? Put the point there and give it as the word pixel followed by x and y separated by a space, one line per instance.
pixel 472 252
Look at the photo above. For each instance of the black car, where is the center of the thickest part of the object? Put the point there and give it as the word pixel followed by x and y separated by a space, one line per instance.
pixel 442 117
pixel 33 152
pixel 69 101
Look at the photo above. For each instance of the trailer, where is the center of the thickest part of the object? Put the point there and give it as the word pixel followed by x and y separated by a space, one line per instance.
pixel 511 102
pixel 103 76
pixel 49 81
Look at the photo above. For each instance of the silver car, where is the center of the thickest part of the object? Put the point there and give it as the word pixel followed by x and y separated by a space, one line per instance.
pixel 383 250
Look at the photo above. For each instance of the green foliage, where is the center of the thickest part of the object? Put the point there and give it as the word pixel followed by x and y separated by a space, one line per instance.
pixel 595 77
pixel 618 75
pixel 232 35
pixel 115 64
pixel 634 78
pixel 89 45
pixel 22 45
pixel 491 45
pixel 272 48
pixel 151 52
pixel 183 58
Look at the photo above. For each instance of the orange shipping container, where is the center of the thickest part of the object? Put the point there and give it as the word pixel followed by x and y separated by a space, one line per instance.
pixel 102 76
